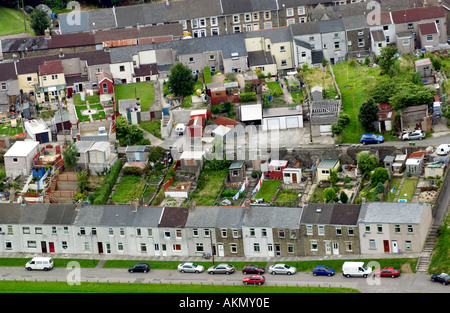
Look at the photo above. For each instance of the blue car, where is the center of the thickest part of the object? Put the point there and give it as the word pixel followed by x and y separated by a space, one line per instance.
pixel 323 270
pixel 371 138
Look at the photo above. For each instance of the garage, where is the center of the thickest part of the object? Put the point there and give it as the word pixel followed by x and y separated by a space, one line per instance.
pixel 273 123
pixel 292 122
pixel 282 118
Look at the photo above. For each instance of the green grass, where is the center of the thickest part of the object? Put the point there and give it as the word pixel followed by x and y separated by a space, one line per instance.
pixel 91 99
pixel 11 22
pixel 268 189
pixel 354 86
pixel 317 195
pixel 153 127
pixel 287 197
pixel 440 262
pixel 395 182
pixel 91 287
pixel 144 90
pixel 128 189
pixel 209 186
pixel 408 187
pixel 297 96
pixel 7 130
pixel 81 118
pixel 84 263
pixel 274 87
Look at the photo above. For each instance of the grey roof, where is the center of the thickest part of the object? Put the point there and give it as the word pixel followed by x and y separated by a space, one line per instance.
pixel 156 13
pixel 102 19
pixel 118 215
pixel 331 26
pixel 354 22
pixel 275 217
pixel 328 163
pixel 263 5
pixel 74 23
pixel 132 15
pixel 137 148
pixel 216 216
pixel 83 146
pixel 189 9
pixel 330 213
pixel 276 35
pixel 281 111
pixel 23 44
pixel 378 35
pixel 300 29
pixel 391 212
pixel 37 214
pixel 260 57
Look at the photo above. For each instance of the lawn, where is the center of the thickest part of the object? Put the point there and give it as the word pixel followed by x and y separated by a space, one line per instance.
pixel 440 262
pixel 128 188
pixel 287 197
pixel 317 196
pixel 268 190
pixel 408 187
pixel 354 83
pixel 390 196
pixel 91 99
pixel 153 127
pixel 81 118
pixel 11 22
pixel 275 88
pixel 7 130
pixel 209 186
pixel 145 91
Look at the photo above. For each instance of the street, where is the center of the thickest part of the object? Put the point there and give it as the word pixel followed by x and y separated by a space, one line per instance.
pixel 406 283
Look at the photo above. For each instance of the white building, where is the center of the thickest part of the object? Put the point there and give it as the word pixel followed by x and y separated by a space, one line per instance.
pixel 19 158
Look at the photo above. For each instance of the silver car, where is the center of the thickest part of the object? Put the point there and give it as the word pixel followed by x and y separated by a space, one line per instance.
pixel 414 135
pixel 221 269
pixel 282 269
pixel 189 267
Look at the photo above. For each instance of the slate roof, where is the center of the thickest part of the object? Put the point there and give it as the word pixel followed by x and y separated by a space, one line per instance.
pixel 391 212
pixel 275 217
pixel 132 15
pixel 118 215
pixel 260 57
pixel 331 214
pixel 102 19
pixel 7 71
pixel 51 67
pixel 378 35
pixel 354 22
pixel 174 217
pixel 276 35
pixel 189 9
pixel 331 26
pixel 216 216
pixel 39 214
pixel 23 44
pixel 73 23
pixel 300 29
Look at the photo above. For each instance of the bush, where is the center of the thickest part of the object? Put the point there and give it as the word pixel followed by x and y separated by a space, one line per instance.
pixel 101 195
pixel 248 96
pixel 132 171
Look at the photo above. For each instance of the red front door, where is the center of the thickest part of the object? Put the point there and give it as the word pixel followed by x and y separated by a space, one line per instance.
pixel 51 247
pixel 386 245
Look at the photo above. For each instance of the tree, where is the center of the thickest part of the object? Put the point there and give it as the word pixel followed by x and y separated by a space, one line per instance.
pixel 328 195
pixel 380 175
pixel 343 197
pixel 387 58
pixel 39 21
pixel 409 94
pixel 384 89
pixel 333 178
pixel 126 134
pixel 70 157
pixel 368 114
pixel 366 162
pixel 181 81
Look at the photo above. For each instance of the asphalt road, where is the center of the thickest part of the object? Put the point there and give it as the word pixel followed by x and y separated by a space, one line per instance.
pixel 406 283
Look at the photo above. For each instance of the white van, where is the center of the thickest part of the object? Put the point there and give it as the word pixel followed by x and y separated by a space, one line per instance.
pixel 443 149
pixel 40 263
pixel 360 269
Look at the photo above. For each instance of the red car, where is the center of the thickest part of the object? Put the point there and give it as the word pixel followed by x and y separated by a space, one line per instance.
pixel 387 272
pixel 254 279
pixel 252 269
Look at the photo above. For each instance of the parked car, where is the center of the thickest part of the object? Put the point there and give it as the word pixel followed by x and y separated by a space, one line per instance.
pixel 254 279
pixel 39 263
pixel 371 138
pixel 282 269
pixel 189 267
pixel 323 271
pixel 387 272
pixel 253 269
pixel 442 278
pixel 139 267
pixel 414 135
pixel 221 269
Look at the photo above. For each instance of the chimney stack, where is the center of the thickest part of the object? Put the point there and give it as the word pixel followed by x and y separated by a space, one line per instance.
pixel 134 205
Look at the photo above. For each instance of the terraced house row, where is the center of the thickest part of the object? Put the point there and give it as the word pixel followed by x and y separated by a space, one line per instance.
pixel 252 231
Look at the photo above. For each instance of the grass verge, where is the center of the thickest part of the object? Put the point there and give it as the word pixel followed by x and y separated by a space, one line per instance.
pixel 145 91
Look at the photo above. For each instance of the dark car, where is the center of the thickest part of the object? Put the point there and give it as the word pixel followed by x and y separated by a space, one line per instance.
pixel 139 267
pixel 323 270
pixel 254 279
pixel 442 278
pixel 371 138
pixel 387 272
pixel 253 269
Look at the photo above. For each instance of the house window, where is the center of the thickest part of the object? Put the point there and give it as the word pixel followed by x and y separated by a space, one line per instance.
pixel 122 68
pixel 303 54
pixel 223 232
pixel 281 233
pixel 194 23
pixel 314 246
pixel 282 49
pixel 87 246
pixel 54 77
pixel 348 247
pixel 214 31
pixel 410 229
pixel 206 233
pixel 283 62
pixel 166 233
pixel 235 233
pixel 105 88
pixel 3 86
pixel 122 231
pixel 309 230
pixel 410 26
pixel 290 12
pixel 267 15
pixel 336 45
pixel 267 25
pixel 361 33
pixel 176 247
pixel 199 247
pixel 252 232
pixel 143 247
pixel 235 19
pixel 82 231
pixel 302 19
pixel 301 10
pixel 202 22
pixel 263 232
pixel 372 244
pixel 8 245
pixel 408 245
pixel 138 232
pixel 338 231
pixel 351 232
pixel 367 228
pixel 379 228
pixel 429 37
pixel 320 230
pixel 120 246
pixel 256 26
pixel 38 230
pixel 256 247
pixel 26 230
pixel 290 248
pixel 54 232
pixel 233 248
pixel 64 245
pixel 336 35
pixel 248 27
pixel 311 38
pixel 293 234
pixel 248 17
pixel 385 27
pixel 178 234
pixel 256 16
pixel 397 229
pixel 184 23
pixel 44 78
pixel 31 244
pixel 195 232
pixel 213 21
pixel 290 21
pixel 360 42
pixel 111 231
pixel 237 29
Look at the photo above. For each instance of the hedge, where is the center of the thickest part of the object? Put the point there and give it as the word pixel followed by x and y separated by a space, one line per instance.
pixel 101 195
pixel 247 96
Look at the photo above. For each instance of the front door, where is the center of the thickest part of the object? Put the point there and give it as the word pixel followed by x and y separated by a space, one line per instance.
pixel 220 249
pixel 386 246
pixel 294 178
pixel 277 250
pixel 335 248
pixel 394 246
pixel 100 247
pixel 44 247
pixel 327 247
pixel 51 247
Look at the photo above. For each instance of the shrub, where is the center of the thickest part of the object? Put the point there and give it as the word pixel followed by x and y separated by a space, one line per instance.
pixel 132 170
pixel 101 195
pixel 248 96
